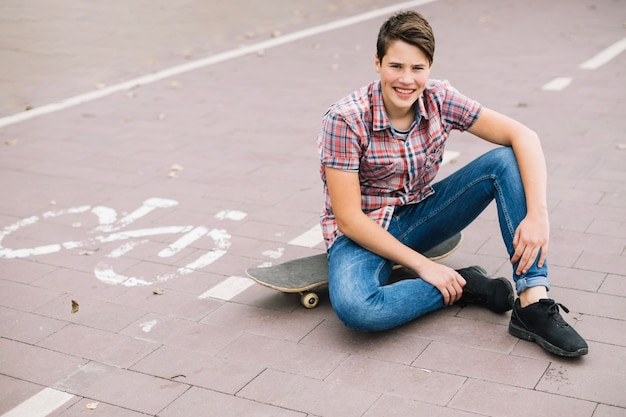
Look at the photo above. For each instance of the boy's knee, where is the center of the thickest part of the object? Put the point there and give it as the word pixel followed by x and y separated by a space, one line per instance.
pixel 505 156
pixel 355 314
pixel 504 162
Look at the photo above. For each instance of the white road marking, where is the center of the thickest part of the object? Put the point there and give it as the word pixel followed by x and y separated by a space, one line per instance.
pixel 274 254
pixel 40 404
pixel 202 262
pixel 211 60
pixel 183 242
pixel 231 215
pixel 146 208
pixel 228 289
pixel 310 238
pixel 147 326
pixel 604 56
pixel 557 84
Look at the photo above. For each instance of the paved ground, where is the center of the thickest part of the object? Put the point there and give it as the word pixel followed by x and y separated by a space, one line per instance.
pixel 130 214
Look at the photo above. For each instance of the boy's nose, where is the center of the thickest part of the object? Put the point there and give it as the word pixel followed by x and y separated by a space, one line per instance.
pixel 406 78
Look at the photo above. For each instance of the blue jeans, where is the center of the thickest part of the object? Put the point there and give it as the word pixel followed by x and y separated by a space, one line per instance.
pixel 359 292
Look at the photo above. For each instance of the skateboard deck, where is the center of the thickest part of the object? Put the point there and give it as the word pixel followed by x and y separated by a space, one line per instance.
pixel 304 275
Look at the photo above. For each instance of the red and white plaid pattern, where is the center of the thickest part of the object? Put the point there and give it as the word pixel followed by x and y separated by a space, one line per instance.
pixel 357 136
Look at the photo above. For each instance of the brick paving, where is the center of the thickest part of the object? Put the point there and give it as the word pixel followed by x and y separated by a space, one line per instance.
pixel 226 153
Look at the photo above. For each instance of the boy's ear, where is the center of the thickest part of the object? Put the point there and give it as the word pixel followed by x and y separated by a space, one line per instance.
pixel 377 63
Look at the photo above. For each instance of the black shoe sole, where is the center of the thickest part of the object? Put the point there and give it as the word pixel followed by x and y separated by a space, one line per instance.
pixel 524 334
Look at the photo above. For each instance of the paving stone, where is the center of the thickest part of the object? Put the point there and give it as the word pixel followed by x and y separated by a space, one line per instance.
pixel 14 392
pixel 26 327
pixel 390 346
pixel 293 326
pixel 198 369
pixel 614 285
pixel 456 330
pixel 482 365
pixel 603 330
pixel 390 406
pixel 612 264
pixel 596 304
pixel 211 403
pixel 494 399
pixel 608 411
pixel 576 279
pixel 170 302
pixel 598 376
pixel 398 380
pixel 289 357
pixel 23 270
pixel 176 332
pixel 24 297
pixel 35 364
pixel 80 408
pixel 107 316
pixel 98 345
pixel 482 314
pixel 299 393
pixel 269 299
pixel 127 389
pixel 79 283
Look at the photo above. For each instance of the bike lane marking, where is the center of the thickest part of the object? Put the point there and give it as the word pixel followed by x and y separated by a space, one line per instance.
pixel 557 84
pixel 210 60
pixel 131 239
pixel 40 404
pixel 604 56
pixel 601 58
pixel 107 274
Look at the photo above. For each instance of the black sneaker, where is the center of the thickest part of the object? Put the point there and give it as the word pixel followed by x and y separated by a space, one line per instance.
pixel 494 293
pixel 541 322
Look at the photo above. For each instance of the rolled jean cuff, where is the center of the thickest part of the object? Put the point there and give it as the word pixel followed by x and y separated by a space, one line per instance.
pixel 523 283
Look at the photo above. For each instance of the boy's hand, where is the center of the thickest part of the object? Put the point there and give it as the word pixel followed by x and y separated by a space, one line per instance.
pixel 531 239
pixel 449 282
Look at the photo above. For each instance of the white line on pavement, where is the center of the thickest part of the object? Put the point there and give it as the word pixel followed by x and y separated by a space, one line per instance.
pixel 601 58
pixel 211 60
pixel 40 404
pixel 557 84
pixel 604 56
pixel 310 238
pixel 228 288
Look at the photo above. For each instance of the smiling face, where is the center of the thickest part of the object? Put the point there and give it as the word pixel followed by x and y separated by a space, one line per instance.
pixel 404 71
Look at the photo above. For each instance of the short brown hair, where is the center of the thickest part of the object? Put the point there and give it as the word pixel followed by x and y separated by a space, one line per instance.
pixel 410 27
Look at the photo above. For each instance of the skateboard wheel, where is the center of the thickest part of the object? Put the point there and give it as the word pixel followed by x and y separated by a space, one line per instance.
pixel 309 299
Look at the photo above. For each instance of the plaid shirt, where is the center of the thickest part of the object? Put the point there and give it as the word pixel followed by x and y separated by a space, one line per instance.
pixel 394 170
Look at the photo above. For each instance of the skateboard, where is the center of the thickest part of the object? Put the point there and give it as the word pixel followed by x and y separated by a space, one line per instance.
pixel 304 275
